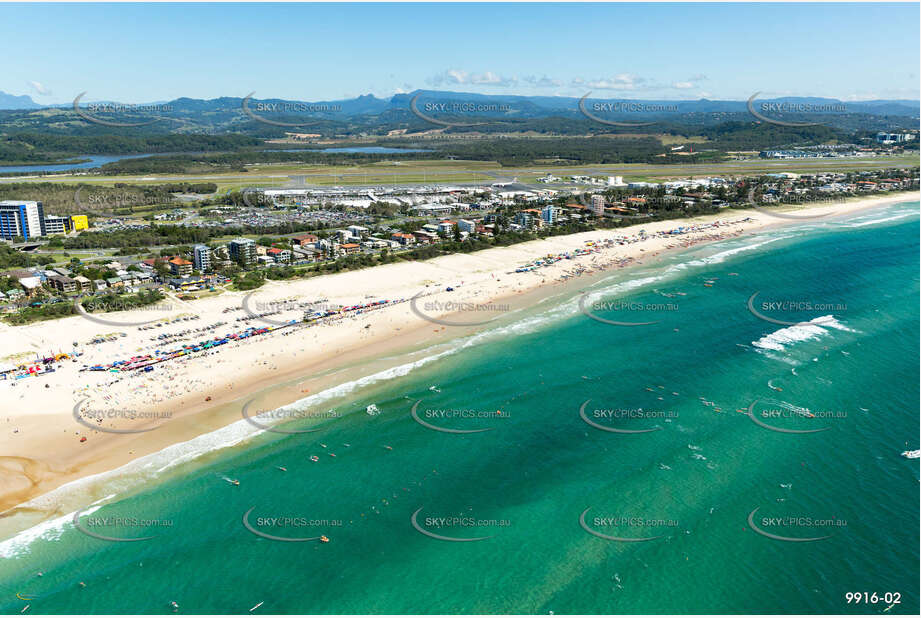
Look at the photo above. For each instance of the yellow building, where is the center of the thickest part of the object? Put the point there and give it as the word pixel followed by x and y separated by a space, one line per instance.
pixel 79 222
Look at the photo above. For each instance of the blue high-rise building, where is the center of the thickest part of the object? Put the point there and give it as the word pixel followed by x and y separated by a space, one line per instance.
pixel 20 218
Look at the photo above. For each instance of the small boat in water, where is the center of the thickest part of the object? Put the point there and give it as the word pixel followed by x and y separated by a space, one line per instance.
pixel 324 539
pixel 314 458
pixel 912 454
pixel 372 410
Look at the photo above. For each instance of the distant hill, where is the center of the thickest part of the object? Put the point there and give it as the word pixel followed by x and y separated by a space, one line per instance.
pixel 369 114
pixel 12 101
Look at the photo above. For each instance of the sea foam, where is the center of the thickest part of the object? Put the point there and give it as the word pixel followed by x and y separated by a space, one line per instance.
pixel 813 329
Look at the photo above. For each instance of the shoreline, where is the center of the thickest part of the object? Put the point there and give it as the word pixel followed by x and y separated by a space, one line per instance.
pixel 45 453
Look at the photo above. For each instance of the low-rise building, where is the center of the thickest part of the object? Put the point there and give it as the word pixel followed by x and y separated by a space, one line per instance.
pixel 309 254
pixel 62 284
pixel 30 284
pixel 280 256
pixel 57 225
pixel 403 238
pixel 358 231
pixel 180 267
pixel 446 227
pixel 79 222
pixel 84 284
pixel 423 237
pixel 304 239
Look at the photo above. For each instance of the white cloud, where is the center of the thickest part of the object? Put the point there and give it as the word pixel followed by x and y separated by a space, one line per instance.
pixel 621 81
pixel 542 82
pixel 457 77
pixel 682 85
pixel 40 89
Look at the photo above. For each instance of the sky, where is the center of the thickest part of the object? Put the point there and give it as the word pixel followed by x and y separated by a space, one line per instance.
pixel 135 53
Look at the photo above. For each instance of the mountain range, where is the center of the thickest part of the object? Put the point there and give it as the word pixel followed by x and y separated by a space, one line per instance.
pixel 372 114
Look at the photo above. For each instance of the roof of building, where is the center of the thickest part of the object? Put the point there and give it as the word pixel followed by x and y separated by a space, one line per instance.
pixel 178 261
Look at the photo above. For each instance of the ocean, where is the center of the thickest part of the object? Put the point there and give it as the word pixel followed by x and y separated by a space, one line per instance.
pixel 735 451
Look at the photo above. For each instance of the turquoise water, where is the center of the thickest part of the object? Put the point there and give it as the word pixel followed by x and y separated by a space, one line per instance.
pixel 692 482
pixel 93 161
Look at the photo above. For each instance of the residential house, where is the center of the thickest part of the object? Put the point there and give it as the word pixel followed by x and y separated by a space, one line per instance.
pixel 30 284
pixel 423 237
pixel 280 256
pixel 402 238
pixel 446 227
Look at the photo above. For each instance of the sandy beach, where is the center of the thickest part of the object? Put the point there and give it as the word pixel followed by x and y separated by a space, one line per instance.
pixel 43 446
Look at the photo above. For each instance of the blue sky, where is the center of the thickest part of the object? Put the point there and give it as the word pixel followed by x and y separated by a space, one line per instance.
pixel 155 52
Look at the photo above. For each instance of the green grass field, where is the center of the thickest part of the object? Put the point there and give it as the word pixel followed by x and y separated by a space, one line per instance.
pixel 470 172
